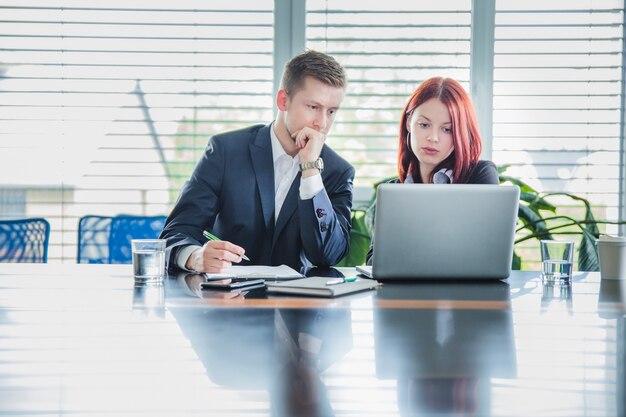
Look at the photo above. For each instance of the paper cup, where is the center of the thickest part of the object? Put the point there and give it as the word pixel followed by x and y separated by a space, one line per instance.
pixel 612 259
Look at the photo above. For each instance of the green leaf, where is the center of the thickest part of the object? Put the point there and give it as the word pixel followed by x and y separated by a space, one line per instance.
pixel 517 262
pixel 536 202
pixel 588 254
pixel 370 211
pixel 533 222
pixel 359 241
pixel 589 223
pixel 521 184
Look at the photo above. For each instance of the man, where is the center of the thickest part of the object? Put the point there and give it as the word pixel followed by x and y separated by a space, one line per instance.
pixel 276 192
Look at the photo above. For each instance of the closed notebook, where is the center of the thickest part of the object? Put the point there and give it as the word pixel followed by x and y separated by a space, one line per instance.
pixel 321 286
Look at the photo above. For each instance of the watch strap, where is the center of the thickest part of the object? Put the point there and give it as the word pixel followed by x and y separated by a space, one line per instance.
pixel 318 164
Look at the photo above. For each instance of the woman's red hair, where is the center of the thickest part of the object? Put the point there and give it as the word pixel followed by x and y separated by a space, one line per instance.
pixel 465 134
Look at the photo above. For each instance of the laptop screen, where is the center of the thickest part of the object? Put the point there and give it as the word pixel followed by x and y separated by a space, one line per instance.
pixel 450 231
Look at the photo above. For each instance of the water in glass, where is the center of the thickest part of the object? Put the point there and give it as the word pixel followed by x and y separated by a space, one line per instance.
pixel 557 270
pixel 149 263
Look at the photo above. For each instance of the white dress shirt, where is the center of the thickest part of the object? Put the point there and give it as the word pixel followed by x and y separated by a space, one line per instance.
pixel 285 170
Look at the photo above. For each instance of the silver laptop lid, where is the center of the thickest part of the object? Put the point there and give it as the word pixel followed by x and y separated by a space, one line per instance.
pixel 450 231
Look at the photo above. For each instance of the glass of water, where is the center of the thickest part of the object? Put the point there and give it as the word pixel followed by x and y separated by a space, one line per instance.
pixel 148 259
pixel 556 261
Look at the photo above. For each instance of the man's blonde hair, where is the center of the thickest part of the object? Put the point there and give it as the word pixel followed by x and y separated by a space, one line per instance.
pixel 312 64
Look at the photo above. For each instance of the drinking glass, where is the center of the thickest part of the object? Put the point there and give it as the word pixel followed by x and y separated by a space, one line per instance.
pixel 556 261
pixel 148 259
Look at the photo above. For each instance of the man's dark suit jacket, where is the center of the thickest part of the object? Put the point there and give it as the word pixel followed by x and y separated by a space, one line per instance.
pixel 231 194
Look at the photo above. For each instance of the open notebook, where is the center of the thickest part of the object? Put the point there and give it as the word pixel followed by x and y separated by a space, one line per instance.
pixel 257 271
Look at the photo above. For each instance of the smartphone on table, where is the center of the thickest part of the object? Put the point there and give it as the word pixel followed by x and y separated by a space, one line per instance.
pixel 233 283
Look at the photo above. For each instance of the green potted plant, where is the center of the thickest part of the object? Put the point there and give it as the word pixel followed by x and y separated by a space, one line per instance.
pixel 540 219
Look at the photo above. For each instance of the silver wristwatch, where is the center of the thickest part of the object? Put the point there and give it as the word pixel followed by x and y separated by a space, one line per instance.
pixel 318 163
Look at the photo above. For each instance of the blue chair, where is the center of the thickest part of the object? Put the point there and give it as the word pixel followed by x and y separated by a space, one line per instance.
pixel 107 240
pixel 126 228
pixel 24 240
pixel 93 239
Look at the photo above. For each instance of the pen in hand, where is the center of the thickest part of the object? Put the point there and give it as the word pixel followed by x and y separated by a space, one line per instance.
pixel 213 237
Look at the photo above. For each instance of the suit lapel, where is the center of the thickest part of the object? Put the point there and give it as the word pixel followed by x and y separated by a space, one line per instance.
pixel 263 164
pixel 288 208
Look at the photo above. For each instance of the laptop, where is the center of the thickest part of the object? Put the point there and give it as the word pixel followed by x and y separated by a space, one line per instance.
pixel 445 231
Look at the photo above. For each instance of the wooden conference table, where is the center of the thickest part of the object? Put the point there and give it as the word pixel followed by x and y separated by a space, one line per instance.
pixel 83 340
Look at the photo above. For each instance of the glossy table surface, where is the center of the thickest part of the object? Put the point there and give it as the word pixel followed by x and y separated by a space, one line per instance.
pixel 84 340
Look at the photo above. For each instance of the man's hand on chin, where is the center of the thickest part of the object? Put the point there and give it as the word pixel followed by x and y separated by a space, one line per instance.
pixel 310 143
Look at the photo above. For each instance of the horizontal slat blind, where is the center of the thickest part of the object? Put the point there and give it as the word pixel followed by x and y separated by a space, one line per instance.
pixel 106 107
pixel 388 48
pixel 557 97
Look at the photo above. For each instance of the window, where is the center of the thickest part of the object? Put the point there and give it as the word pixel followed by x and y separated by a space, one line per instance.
pixel 106 108
pixel 12 203
pixel 557 97
pixel 388 48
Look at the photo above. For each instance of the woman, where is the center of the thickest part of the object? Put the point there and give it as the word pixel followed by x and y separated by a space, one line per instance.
pixel 439 134
pixel 439 139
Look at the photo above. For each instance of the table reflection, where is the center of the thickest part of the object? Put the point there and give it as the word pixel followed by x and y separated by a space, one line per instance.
pixel 612 298
pixel 557 296
pixel 83 340
pixel 307 342
pixel 189 284
pixel 281 351
pixel 149 299
pixel 612 306
pixel 443 355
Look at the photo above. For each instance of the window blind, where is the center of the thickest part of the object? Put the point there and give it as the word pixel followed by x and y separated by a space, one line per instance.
pixel 557 97
pixel 388 48
pixel 106 108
